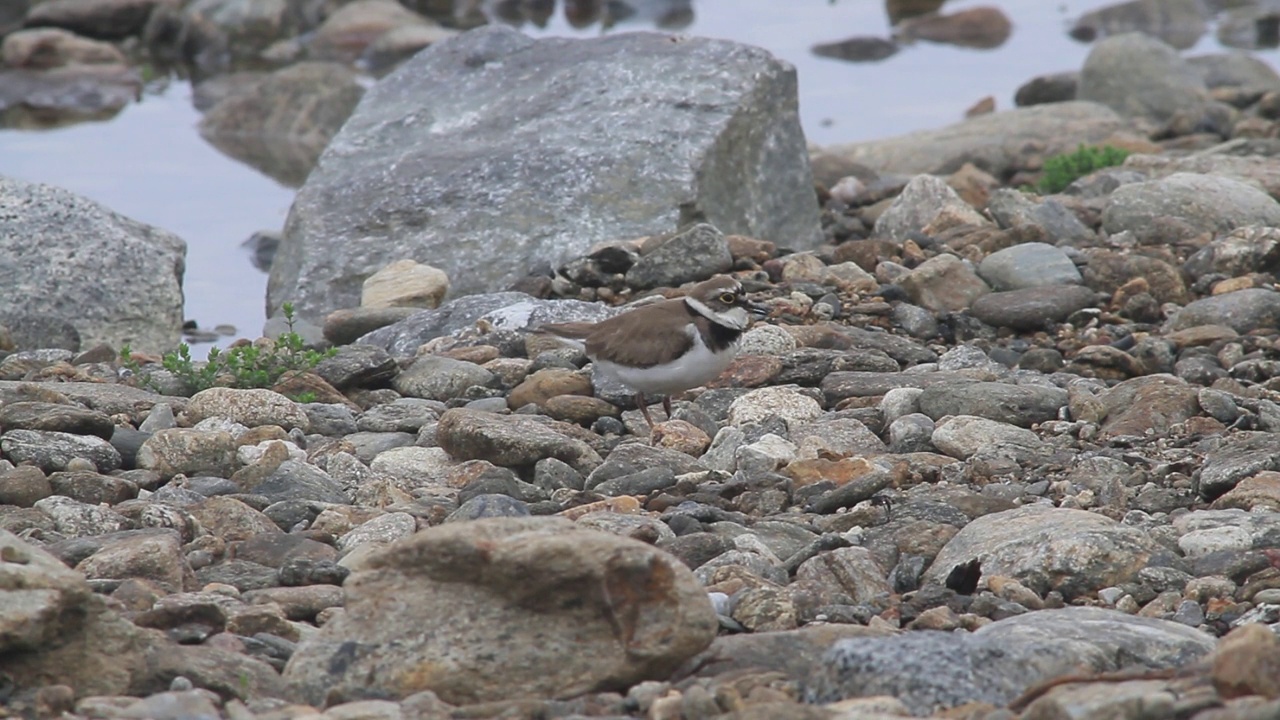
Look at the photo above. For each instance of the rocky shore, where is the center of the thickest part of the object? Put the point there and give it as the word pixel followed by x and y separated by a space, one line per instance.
pixel 994 453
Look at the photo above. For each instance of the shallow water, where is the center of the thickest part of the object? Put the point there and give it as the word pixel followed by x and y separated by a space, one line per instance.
pixel 149 162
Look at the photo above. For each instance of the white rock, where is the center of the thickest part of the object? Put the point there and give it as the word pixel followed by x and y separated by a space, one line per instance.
pixel 413 466
pixel 785 401
pixel 962 436
pixel 1203 542
pixel 766 340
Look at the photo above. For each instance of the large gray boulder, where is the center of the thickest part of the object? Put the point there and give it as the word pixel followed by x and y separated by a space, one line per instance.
pixel 1138 76
pixel 66 258
pixel 490 153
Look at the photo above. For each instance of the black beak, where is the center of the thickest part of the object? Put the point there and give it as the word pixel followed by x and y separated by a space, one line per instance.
pixel 756 310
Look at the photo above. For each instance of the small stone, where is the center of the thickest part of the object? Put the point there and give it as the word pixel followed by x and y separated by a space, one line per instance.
pixel 405 283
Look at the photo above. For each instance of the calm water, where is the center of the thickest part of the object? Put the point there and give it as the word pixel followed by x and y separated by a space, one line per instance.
pixel 150 163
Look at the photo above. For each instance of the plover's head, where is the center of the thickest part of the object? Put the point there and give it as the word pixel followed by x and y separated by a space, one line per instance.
pixel 721 300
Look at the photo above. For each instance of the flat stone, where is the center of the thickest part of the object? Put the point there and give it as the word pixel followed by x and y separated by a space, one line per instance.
pixel 1072 551
pixel 433 576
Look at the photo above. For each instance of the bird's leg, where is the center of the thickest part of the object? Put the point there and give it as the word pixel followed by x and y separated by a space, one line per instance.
pixel 644 409
pixel 666 405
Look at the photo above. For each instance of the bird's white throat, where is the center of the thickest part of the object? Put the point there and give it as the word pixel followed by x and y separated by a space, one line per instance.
pixel 735 318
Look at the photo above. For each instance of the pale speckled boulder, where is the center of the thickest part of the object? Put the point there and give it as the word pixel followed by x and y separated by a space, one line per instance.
pixel 249 407
pixel 62 256
pixel 485 171
pixel 506 608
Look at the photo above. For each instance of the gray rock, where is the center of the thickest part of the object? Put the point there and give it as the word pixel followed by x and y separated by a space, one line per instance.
pixel 92 487
pixel 630 458
pixel 739 161
pixel 104 19
pixel 841 385
pixel 58 418
pixel 963 436
pixel 1205 531
pixel 1032 308
pixel 119 280
pixel 434 377
pixel 358 366
pixel 381 530
pixel 912 432
pixel 1184 205
pixel 1239 252
pixel 1022 405
pixel 994 142
pixel 1235 69
pixel 109 398
pixel 249 407
pixel 19 365
pixel 1139 76
pixel 842 436
pixel 639 483
pixel 1181 23
pixel 1243 311
pixel 281 123
pixel 1241 456
pixel 330 419
pixel 1052 88
pixel 406 415
pixel 1029 265
pixel 72 93
pixel 190 452
pixel 845 576
pixel 1258 170
pixel 505 310
pixel 31 331
pixel 193 704
pixel 489 505
pixel 153 555
pixel 932 671
pixel 551 474
pixel 918 204
pixel 509 440
pixel 1012 208
pixel 545 588
pixel 76 519
pixel 51 451
pixel 54 629
pixel 944 283
pixel 23 486
pixel 694 254
pixel 370 445
pixel 295 480
pixel 1045 548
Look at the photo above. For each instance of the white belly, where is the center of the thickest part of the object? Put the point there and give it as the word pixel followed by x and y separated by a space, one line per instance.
pixel 697 367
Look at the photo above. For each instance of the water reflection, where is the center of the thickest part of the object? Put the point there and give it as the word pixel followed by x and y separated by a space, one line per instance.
pixel 1180 23
pixel 981 28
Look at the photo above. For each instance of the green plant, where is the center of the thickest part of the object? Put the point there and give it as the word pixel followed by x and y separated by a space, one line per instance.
pixel 256 365
pixel 1061 170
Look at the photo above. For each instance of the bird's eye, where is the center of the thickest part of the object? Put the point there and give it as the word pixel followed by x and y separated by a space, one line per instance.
pixel 728 298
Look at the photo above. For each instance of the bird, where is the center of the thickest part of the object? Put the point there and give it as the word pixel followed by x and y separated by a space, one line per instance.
pixel 669 346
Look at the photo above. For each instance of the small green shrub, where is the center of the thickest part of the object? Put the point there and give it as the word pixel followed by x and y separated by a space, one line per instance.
pixel 1062 170
pixel 259 365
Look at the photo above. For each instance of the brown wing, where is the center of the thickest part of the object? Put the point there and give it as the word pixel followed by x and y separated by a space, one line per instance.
pixel 642 337
pixel 569 330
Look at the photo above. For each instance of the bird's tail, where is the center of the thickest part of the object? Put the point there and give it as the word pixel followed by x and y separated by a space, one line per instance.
pixel 570 334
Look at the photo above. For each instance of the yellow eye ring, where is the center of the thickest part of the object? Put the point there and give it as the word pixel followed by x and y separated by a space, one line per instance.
pixel 728 298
